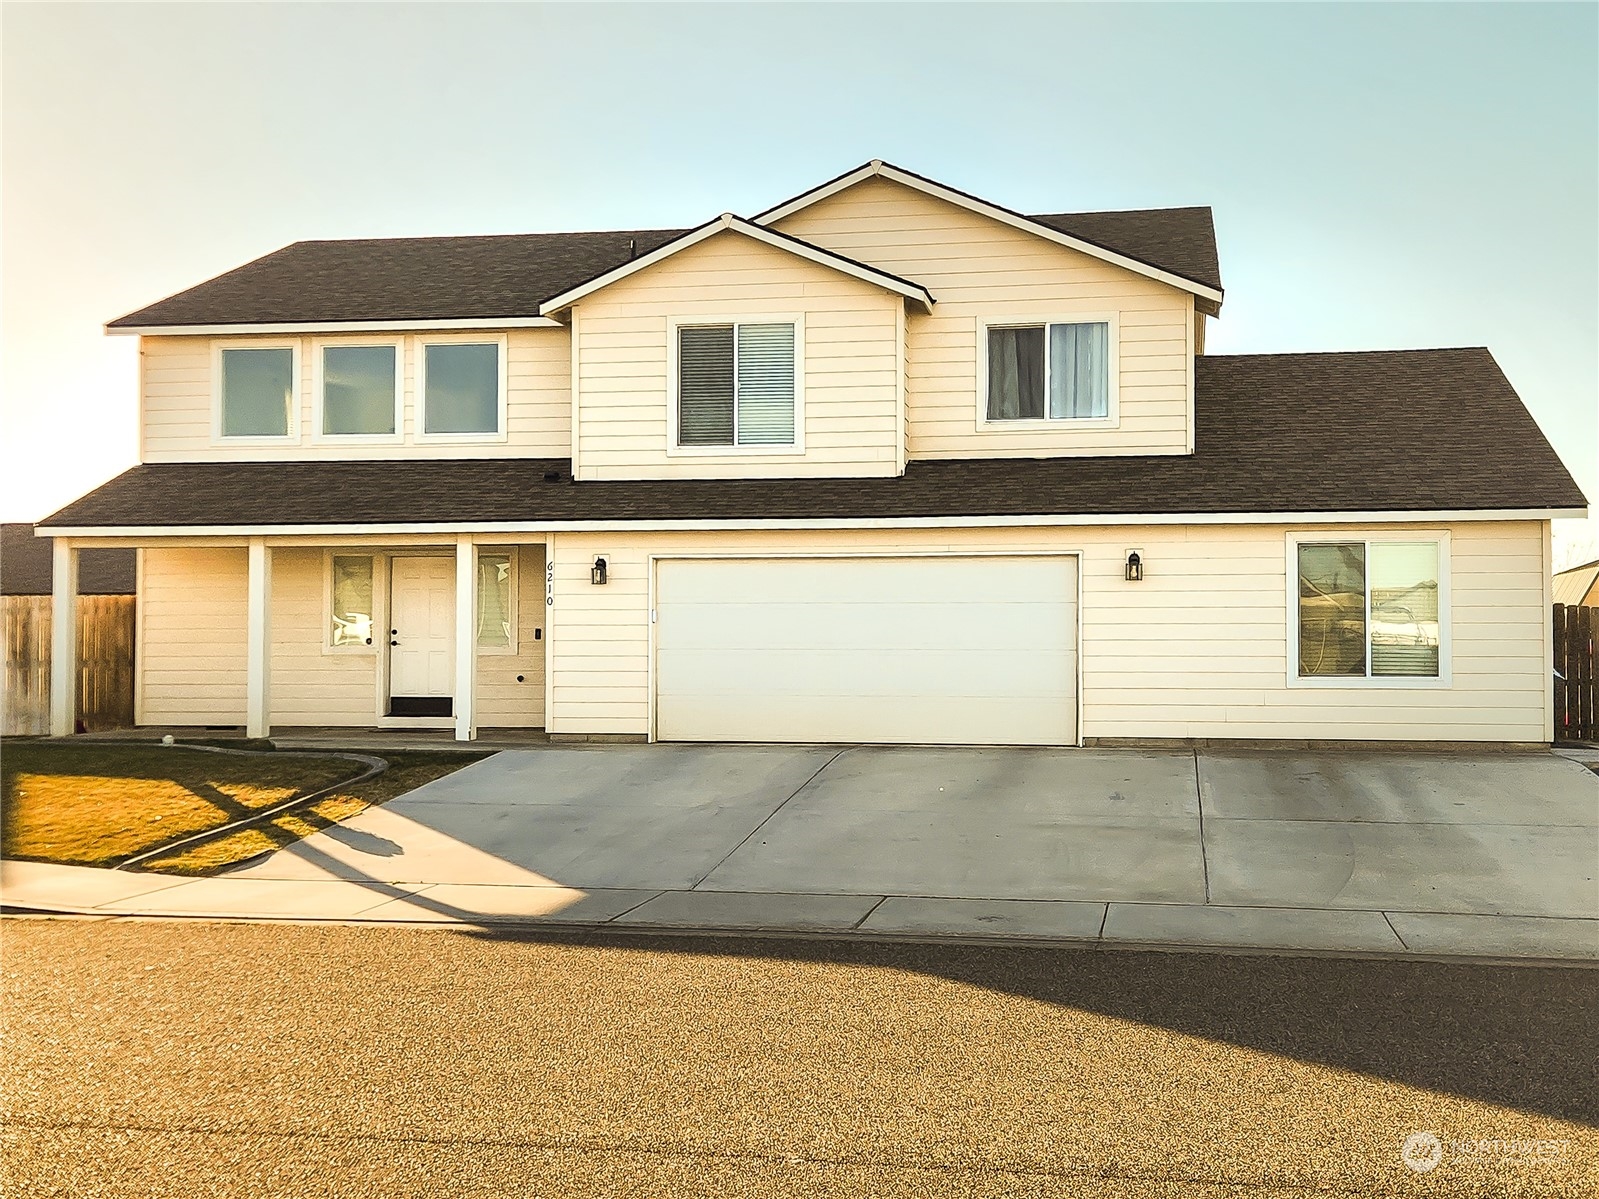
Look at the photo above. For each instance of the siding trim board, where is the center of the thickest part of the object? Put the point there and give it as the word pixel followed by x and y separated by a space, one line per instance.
pixel 93 537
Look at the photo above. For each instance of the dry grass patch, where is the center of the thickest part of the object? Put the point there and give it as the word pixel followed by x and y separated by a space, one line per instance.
pixel 97 805
pixel 407 771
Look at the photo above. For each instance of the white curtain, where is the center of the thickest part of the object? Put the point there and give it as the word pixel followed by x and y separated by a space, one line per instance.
pixel 1079 371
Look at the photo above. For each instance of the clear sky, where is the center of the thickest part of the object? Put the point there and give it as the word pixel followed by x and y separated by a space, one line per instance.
pixel 1382 175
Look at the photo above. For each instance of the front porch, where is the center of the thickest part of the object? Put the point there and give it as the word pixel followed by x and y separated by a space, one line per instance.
pixel 427 637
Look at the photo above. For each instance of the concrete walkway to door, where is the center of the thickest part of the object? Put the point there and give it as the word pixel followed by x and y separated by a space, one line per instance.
pixel 1490 854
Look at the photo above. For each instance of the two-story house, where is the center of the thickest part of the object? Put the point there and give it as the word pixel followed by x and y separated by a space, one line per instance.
pixel 885 463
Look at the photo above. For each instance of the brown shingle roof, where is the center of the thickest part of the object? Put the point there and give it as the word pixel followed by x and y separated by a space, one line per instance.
pixel 475 278
pixel 1418 430
pixel 1179 240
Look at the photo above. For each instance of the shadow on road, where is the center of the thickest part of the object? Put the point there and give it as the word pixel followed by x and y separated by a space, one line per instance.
pixel 1517 1036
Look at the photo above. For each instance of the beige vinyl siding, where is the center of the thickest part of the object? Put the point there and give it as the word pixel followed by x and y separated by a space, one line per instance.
pixel 312 684
pixel 192 644
pixel 176 389
pixel 1199 649
pixel 981 270
pixel 191 636
pixel 850 363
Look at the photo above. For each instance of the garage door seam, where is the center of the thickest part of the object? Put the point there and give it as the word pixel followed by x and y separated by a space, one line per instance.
pixel 695 886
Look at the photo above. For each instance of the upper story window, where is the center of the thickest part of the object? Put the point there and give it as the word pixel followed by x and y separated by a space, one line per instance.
pixel 462 388
pixel 737 385
pixel 255 391
pixel 1369 609
pixel 358 390
pixel 1049 371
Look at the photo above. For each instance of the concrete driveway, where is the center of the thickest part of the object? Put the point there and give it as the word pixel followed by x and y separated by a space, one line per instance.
pixel 1141 843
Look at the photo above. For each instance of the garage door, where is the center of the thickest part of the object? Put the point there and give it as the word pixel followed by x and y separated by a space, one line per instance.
pixel 976 651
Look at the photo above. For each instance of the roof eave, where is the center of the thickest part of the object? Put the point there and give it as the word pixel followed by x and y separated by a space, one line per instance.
pixel 241 328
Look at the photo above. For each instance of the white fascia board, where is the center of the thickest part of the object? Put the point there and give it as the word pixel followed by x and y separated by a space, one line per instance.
pixel 728 222
pixel 333 327
pixel 984 208
pixel 490 529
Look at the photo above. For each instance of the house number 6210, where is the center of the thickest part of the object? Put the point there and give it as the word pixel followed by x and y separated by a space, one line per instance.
pixel 549 584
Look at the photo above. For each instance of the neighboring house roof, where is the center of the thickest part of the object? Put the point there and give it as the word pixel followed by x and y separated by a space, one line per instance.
pixel 27 566
pixel 728 223
pixel 446 280
pixel 1578 585
pixel 1157 242
pixel 1389 431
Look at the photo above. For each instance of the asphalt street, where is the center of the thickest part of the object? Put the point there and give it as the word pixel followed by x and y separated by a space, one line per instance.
pixel 168 1058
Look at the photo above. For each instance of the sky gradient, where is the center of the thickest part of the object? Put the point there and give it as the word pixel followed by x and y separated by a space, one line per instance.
pixel 1383 176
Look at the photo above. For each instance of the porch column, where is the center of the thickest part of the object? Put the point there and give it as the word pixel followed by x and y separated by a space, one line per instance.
pixel 465 639
pixel 258 643
pixel 63 638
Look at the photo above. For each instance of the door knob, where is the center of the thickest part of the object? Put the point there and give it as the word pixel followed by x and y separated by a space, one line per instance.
pixel 393 641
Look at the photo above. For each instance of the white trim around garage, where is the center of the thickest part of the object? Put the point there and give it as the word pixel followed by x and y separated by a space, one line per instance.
pixel 654 560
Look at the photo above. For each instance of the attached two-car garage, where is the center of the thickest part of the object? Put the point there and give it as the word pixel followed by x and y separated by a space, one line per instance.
pixel 969 650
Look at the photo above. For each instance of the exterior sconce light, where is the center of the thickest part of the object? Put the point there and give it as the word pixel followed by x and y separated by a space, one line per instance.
pixel 597 574
pixel 1135 567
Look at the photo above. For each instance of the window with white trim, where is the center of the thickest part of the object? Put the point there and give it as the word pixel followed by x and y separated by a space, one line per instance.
pixel 461 388
pixel 256 391
pixel 496 601
pixel 1369 609
pixel 360 389
pixel 736 384
pixel 1054 371
pixel 351 595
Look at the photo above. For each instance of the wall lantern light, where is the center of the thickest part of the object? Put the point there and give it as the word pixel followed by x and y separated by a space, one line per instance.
pixel 597 574
pixel 1135 567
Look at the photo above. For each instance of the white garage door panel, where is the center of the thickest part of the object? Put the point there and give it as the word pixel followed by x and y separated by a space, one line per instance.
pixel 921 650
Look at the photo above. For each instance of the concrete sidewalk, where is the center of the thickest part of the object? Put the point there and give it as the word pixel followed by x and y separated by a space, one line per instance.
pixel 27 886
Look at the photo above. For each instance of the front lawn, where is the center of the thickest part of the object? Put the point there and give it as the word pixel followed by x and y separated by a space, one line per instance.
pixel 83 804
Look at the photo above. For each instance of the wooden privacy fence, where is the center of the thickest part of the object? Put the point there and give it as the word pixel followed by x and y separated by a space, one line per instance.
pixel 105 663
pixel 1576 678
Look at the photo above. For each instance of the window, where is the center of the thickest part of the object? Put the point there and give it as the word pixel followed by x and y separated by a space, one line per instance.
pixel 359 388
pixel 496 616
pixel 351 611
pixel 462 388
pixel 737 384
pixel 1369 609
pixel 256 391
pixel 1049 371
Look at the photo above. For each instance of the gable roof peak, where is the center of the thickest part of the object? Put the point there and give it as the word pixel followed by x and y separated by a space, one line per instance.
pixel 1207 291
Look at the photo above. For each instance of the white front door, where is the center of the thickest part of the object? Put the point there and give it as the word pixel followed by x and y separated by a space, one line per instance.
pixel 422 637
